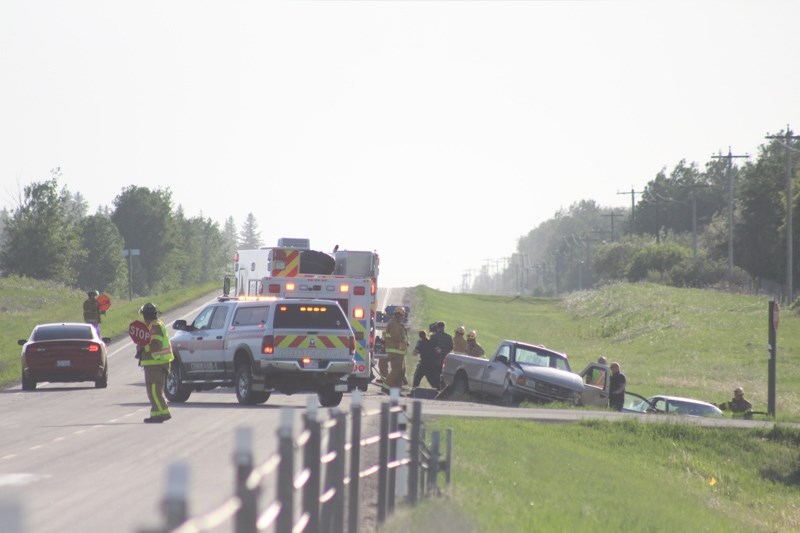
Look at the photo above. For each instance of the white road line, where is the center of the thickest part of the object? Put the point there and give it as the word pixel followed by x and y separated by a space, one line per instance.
pixel 36 447
pixel 9 456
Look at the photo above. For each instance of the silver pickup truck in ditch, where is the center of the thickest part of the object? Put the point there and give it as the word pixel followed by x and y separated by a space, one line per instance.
pixel 516 372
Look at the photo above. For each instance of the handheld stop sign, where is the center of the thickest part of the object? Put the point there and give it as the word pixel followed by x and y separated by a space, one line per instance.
pixel 140 334
pixel 104 302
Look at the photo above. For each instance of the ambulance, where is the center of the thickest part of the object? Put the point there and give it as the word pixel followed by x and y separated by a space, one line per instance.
pixel 293 270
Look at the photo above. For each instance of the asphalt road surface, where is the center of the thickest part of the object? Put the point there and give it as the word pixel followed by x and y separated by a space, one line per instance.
pixel 76 458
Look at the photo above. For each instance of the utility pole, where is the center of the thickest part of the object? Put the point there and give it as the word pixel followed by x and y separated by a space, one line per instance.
pixel 788 138
pixel 730 157
pixel 611 215
pixel 633 205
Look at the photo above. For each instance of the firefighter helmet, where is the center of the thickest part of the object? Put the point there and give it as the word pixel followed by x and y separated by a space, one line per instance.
pixel 93 293
pixel 149 309
pixel 399 311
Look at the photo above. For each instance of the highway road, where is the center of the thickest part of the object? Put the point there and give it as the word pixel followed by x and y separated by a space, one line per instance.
pixel 76 458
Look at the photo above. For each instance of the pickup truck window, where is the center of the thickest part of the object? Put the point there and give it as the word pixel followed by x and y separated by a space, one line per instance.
pixel 218 320
pixel 204 318
pixel 251 316
pixel 531 357
pixel 305 316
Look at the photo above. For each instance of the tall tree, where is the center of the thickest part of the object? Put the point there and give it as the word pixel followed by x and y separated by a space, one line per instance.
pixel 250 237
pixel 103 267
pixel 146 222
pixel 41 239
pixel 758 247
pixel 230 241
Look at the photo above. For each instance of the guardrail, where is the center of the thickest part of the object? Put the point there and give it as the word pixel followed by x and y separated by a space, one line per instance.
pixel 325 494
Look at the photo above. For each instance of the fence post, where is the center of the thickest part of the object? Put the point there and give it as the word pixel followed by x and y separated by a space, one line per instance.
pixel 413 467
pixel 311 455
pixel 174 505
pixel 247 514
pixel 394 400
pixel 285 489
pixel 338 444
pixel 355 461
pixel 449 466
pixel 383 455
pixel 423 474
pixel 402 453
pixel 433 467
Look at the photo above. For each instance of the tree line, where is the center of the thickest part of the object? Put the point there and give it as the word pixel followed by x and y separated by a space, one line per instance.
pixel 676 232
pixel 141 245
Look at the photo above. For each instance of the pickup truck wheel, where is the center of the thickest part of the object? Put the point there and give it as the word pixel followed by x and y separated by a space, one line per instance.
pixel 244 386
pixel 508 398
pixel 174 389
pixel 460 386
pixel 329 397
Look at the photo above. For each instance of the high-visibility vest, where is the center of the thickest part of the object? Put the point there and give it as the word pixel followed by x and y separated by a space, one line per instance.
pixel 158 351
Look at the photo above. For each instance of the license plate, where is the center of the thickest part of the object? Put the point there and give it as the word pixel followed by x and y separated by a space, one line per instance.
pixel 340 388
pixel 63 362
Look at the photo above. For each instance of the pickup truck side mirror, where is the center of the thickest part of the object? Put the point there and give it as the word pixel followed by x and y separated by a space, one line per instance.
pixel 180 325
pixel 502 359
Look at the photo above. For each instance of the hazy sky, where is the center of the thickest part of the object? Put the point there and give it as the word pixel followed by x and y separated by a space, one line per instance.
pixel 436 133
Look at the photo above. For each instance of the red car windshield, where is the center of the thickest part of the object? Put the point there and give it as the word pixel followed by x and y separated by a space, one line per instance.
pixel 63 332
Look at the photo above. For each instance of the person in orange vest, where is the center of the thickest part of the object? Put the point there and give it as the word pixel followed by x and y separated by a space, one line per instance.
pixel 396 338
pixel 459 342
pixel 155 358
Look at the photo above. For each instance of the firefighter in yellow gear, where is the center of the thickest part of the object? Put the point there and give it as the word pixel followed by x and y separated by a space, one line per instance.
pixel 396 338
pixel 155 358
pixel 459 342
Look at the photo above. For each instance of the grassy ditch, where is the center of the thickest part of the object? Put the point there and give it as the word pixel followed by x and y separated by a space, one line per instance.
pixel 25 302
pixel 684 342
pixel 512 475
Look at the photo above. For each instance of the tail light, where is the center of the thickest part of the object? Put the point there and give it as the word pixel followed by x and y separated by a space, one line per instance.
pixel 358 312
pixel 359 290
pixel 268 345
pixel 344 288
pixel 274 288
pixel 94 348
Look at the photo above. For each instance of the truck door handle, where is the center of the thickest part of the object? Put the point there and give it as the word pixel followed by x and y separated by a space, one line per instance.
pixel 219 337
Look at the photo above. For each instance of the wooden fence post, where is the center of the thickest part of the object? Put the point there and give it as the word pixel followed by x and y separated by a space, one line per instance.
pixel 311 455
pixel 285 488
pixel 247 514
pixel 355 462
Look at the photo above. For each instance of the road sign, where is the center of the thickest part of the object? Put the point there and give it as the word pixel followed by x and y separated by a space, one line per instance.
pixel 139 333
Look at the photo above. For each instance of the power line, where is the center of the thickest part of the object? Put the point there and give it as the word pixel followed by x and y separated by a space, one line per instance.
pixel 730 157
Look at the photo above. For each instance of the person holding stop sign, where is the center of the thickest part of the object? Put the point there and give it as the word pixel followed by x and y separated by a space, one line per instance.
pixel 155 355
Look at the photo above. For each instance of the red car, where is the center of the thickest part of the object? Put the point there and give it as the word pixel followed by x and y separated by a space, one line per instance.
pixel 64 353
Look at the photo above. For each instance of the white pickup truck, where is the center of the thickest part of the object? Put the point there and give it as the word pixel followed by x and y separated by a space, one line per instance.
pixel 263 345
pixel 517 371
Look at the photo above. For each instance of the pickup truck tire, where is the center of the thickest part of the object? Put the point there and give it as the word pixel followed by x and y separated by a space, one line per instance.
pixel 329 397
pixel 507 397
pixel 174 390
pixel 244 387
pixel 460 386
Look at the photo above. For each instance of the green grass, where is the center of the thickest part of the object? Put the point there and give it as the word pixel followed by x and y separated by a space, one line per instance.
pixel 613 476
pixel 25 302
